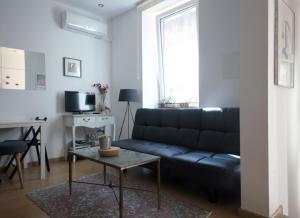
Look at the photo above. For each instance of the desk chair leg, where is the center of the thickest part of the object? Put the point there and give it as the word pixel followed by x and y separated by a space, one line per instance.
pixel 47 160
pixel 46 157
pixel 38 153
pixel 18 163
pixel 22 158
pixel 39 158
pixel 12 159
pixel 9 163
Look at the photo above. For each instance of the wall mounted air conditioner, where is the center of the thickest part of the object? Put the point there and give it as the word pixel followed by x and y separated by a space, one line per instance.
pixel 78 23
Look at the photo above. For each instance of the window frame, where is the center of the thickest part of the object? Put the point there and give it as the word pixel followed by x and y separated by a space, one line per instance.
pixel 159 19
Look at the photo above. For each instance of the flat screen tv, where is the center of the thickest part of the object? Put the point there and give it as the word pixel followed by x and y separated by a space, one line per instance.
pixel 79 102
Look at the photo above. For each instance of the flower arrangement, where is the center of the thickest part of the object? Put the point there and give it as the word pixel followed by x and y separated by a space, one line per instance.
pixel 103 89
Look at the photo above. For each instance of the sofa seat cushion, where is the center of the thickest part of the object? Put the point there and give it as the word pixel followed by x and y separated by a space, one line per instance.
pixel 193 156
pixel 221 166
pixel 219 171
pixel 231 157
pixel 154 148
pixel 215 163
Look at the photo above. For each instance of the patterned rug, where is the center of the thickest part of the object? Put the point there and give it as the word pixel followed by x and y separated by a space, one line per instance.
pixel 99 201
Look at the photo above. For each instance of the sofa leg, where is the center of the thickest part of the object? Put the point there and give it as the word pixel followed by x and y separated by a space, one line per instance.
pixel 212 196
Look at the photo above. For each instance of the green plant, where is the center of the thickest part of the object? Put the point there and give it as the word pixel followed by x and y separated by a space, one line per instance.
pixel 167 100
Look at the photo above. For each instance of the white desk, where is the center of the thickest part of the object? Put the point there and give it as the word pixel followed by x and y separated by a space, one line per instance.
pixel 35 124
pixel 90 121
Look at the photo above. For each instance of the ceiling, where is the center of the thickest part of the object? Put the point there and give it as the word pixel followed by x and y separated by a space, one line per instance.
pixel 112 8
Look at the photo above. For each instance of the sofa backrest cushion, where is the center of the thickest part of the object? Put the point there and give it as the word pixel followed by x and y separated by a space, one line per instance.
pixel 208 130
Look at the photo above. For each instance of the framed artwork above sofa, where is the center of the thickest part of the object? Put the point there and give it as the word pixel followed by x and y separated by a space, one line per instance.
pixel 284 44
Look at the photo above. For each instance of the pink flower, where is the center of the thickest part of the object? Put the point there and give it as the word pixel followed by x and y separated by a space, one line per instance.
pixel 103 89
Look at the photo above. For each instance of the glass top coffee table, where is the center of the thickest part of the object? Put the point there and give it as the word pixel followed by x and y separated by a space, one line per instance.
pixel 125 160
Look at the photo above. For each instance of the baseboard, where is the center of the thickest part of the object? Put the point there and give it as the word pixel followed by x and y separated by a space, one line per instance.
pixel 247 214
pixel 52 160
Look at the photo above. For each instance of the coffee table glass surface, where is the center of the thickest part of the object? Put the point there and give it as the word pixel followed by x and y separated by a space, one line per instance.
pixel 125 160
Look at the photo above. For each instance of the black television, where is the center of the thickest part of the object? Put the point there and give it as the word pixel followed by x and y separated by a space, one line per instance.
pixel 78 102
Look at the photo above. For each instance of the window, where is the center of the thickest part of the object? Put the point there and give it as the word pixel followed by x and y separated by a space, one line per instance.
pixel 178 42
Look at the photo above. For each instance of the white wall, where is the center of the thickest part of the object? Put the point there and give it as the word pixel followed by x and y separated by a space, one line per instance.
pixel 284 148
pixel 35 25
pixel 219 53
pixel 278 116
pixel 124 63
pixel 254 106
pixel 269 117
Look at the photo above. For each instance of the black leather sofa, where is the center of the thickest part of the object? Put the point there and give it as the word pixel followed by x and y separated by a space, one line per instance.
pixel 199 145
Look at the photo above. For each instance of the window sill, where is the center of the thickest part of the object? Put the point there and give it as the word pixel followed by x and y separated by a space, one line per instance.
pixel 178 105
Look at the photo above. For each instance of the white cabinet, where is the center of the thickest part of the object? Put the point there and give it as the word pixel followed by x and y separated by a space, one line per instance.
pixel 13 79
pixel 12 68
pixel 13 58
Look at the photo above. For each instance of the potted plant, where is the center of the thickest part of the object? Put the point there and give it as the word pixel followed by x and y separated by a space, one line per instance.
pixel 167 102
pixel 170 102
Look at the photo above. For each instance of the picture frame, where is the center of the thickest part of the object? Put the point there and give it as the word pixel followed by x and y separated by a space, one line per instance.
pixel 284 44
pixel 72 67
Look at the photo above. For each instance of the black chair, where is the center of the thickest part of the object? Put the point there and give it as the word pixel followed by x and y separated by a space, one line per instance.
pixel 14 148
pixel 34 141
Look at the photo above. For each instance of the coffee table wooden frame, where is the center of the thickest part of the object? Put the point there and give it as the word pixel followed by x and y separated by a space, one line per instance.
pixel 121 172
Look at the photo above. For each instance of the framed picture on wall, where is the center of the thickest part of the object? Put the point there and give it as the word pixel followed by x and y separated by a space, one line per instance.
pixel 72 67
pixel 284 44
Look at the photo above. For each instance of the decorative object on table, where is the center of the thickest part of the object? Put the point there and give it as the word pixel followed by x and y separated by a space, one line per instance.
pixel 103 89
pixel 72 67
pixel 128 95
pixel 110 152
pixel 92 200
pixel 105 142
pixel 284 44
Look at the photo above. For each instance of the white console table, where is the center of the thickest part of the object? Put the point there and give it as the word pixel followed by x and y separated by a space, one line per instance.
pixel 90 121
pixel 35 124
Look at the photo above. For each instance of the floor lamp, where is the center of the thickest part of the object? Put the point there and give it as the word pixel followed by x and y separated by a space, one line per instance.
pixel 128 95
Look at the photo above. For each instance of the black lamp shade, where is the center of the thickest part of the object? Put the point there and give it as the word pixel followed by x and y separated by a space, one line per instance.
pixel 130 95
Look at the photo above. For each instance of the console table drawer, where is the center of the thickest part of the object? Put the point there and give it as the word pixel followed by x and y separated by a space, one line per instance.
pixel 84 120
pixel 104 119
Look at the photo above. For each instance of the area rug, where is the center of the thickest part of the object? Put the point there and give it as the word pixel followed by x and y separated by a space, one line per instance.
pixel 99 201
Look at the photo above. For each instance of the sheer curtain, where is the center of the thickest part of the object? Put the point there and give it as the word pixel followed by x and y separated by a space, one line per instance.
pixel 179 37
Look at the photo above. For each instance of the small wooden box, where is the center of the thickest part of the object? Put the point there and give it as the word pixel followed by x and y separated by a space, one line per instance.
pixel 111 152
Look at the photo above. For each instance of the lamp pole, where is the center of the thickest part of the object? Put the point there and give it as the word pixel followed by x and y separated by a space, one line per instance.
pixel 128 126
pixel 127 95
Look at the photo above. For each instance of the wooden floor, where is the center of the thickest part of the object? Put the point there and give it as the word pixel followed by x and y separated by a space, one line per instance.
pixel 13 202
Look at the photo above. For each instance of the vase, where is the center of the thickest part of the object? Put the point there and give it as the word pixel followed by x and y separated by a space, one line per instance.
pixel 101 105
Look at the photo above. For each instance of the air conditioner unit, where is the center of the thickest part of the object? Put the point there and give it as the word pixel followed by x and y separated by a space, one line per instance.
pixel 82 24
